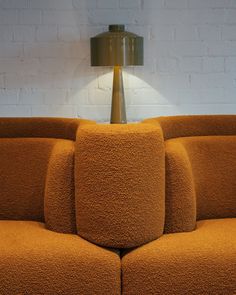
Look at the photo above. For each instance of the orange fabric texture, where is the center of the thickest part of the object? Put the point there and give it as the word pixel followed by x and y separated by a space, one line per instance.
pixel 180 196
pixel 38 261
pixel 23 169
pixel 41 127
pixel 37 183
pixel 200 262
pixel 200 168
pixel 59 200
pixel 213 164
pixel 119 173
pixel 202 125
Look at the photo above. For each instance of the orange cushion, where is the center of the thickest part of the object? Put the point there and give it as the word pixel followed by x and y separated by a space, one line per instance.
pixel 41 127
pixel 197 125
pixel 199 262
pixel 119 172
pixel 38 261
pixel 37 174
pixel 212 162
pixel 23 170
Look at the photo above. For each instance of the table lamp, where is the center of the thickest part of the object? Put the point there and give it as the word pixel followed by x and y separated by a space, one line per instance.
pixel 117 48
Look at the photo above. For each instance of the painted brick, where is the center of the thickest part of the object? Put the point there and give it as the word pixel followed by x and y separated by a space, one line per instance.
pixel 209 32
pixel 10 50
pixel 51 4
pixel 46 33
pixel 189 50
pixel 84 4
pixel 6 33
pixel 152 4
pixel 107 4
pixel 53 111
pixel 230 64
pixel 14 4
pixel 213 64
pixel 130 4
pixel 15 111
pixel 8 17
pixel 68 33
pixel 186 33
pixel 24 33
pixel 176 4
pixel 64 17
pixel 8 97
pixel 190 64
pixel 30 17
pixel 229 33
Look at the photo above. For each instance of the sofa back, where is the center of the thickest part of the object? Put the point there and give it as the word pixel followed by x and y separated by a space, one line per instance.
pixel 119 173
pixel 37 171
pixel 200 169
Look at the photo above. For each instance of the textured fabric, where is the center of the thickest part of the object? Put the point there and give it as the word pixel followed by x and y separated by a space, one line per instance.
pixel 119 173
pixel 26 165
pixel 41 127
pixel 181 126
pixel 180 196
pixel 202 262
pixel 36 261
pixel 23 169
pixel 212 160
pixel 59 200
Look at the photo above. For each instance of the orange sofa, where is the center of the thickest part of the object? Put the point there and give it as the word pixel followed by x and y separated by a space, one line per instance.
pixel 40 251
pixel 118 209
pixel 197 252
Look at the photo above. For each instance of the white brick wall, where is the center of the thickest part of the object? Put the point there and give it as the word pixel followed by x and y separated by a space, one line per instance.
pixel 190 57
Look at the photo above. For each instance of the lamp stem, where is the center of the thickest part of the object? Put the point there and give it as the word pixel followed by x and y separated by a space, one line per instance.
pixel 118 113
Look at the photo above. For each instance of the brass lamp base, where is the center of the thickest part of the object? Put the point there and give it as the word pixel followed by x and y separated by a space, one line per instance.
pixel 118 113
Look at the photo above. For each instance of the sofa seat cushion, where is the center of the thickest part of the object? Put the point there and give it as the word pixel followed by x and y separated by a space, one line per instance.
pixel 35 260
pixel 201 262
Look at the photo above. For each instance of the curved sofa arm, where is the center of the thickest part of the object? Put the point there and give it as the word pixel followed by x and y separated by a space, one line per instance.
pixel 119 174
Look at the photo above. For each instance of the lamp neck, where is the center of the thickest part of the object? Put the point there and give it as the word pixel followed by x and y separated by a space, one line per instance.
pixel 118 114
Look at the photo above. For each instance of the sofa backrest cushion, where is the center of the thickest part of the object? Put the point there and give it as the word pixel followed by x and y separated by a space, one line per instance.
pixel 37 181
pixel 119 173
pixel 23 171
pixel 37 170
pixel 63 128
pixel 205 179
pixel 200 153
pixel 200 125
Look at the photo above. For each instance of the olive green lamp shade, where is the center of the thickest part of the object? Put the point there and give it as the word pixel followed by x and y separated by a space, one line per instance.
pixel 117 48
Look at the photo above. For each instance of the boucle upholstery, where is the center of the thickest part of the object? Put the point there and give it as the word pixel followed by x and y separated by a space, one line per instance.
pixel 202 262
pixel 201 125
pixel 180 195
pixel 119 173
pixel 36 261
pixel 213 163
pixel 41 127
pixel 37 170
pixel 23 169
pixel 37 184
pixel 37 181
pixel 200 168
pixel 59 199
